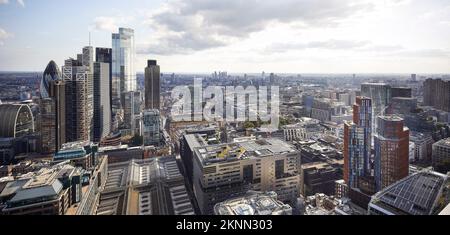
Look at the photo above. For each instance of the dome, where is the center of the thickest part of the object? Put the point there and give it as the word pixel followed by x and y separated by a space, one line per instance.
pixel 51 73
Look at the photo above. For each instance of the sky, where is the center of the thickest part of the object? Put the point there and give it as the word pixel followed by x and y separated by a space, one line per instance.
pixel 238 36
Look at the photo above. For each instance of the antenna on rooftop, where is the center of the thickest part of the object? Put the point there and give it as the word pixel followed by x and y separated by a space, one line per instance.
pixel 89 38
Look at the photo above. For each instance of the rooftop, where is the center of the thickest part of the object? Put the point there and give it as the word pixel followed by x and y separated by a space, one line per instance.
pixel 414 195
pixel 243 150
pixel 254 203
pixel 444 142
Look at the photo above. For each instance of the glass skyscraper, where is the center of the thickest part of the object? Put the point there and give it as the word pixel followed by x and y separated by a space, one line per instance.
pixel 123 59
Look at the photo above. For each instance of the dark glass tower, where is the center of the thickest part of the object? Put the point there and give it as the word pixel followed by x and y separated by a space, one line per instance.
pixel 104 55
pixel 152 85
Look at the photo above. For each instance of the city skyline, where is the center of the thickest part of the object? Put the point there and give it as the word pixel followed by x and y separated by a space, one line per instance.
pixel 391 36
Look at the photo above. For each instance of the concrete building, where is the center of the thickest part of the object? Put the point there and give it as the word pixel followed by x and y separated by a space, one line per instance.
pixel 121 153
pixel 225 171
pixel 253 203
pixel 423 146
pixel 50 191
pixel 320 177
pixel 303 130
pixel 436 93
pixel 404 92
pixel 441 156
pixel 152 85
pixel 391 151
pixel 151 127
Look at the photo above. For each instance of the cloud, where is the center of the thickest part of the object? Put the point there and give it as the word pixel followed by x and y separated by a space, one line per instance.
pixel 193 25
pixel 4 35
pixel 108 23
pixel 20 2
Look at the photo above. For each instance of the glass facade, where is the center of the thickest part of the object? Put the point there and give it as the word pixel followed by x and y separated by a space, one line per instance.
pixel 123 71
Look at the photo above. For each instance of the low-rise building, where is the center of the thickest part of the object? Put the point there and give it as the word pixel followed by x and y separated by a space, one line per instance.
pixel 423 193
pixel 145 187
pixel 441 156
pixel 253 203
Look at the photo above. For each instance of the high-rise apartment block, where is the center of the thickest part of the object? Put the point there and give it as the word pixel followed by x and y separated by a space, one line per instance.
pixel 391 151
pixel 357 143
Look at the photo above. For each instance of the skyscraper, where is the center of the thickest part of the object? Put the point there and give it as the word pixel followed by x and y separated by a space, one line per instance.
pixel 123 58
pixel 79 100
pixel 391 151
pixel 104 55
pixel 102 107
pixel 52 110
pixel 152 85
pixel 380 93
pixel 357 143
pixel 51 73
pixel 151 127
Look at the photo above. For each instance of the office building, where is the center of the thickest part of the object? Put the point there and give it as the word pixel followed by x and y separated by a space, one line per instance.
pixel 391 151
pixel 80 154
pixel 104 55
pixel 422 193
pixel 79 98
pixel 128 112
pixel 50 191
pixel 320 177
pixel 404 92
pixel 380 93
pixel 102 106
pixel 253 203
pixel 123 60
pixel 422 146
pixel 152 85
pixel 51 73
pixel 225 171
pixel 357 143
pixel 151 127
pixel 441 156
pixel 436 93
